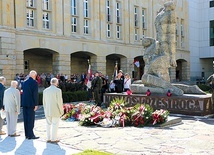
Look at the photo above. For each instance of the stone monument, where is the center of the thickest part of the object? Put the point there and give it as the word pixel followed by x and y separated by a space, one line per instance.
pixel 159 56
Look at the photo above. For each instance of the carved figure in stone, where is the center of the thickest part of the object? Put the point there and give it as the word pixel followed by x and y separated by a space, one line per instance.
pixel 159 54
pixel 165 24
pixel 151 51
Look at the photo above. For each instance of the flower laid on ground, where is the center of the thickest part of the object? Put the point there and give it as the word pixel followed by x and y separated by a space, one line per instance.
pixel 72 112
pixel 91 115
pixel 142 116
pixel 159 116
pixel 117 114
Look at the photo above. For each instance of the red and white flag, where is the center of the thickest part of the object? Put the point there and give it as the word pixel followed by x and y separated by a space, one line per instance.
pixel 89 69
pixel 137 63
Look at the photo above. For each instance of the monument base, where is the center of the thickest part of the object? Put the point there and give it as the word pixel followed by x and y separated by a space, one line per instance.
pixel 187 104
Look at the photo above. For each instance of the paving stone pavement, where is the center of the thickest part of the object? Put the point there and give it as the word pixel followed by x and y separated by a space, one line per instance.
pixel 195 136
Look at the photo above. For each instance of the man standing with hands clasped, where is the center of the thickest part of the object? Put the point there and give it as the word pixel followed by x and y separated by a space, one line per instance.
pixel 30 104
pixel 53 108
pixel 12 107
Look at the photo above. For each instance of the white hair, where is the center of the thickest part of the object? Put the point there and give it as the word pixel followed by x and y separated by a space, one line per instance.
pixel 54 81
pixel 2 79
pixel 14 83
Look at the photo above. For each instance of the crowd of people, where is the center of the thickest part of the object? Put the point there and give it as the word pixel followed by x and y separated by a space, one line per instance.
pixel 23 92
pixel 99 84
pixel 11 99
pixel 44 79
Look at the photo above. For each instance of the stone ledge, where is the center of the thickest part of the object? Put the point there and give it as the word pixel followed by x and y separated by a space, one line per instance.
pixel 188 104
pixel 172 121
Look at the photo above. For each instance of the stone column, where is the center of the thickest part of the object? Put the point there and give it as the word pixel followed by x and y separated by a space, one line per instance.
pixel 7 54
pixel 124 64
pixel 172 74
pixel 185 71
pixel 61 64
pixel 99 64
pixel 130 66
pixel 19 62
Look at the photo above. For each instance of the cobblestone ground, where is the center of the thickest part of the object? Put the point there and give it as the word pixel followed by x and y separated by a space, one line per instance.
pixel 195 135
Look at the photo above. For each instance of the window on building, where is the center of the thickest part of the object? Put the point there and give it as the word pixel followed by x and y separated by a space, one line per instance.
pixel 74 24
pixel 108 30
pixel 30 17
pixel 108 11
pixel 182 42
pixel 118 28
pixel 211 4
pixel 182 27
pixel 177 26
pixel 30 3
pixel 212 33
pixel 143 33
pixel 86 26
pixel 26 64
pixel 118 12
pixel 73 7
pixel 143 18
pixel 46 20
pixel 135 16
pixel 177 41
pixel 136 34
pixel 45 4
pixel 86 11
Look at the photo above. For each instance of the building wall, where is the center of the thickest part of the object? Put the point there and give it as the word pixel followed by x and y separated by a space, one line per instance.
pixel 201 53
pixel 16 37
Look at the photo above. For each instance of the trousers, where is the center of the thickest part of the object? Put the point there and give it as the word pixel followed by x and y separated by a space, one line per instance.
pixel 52 124
pixel 11 118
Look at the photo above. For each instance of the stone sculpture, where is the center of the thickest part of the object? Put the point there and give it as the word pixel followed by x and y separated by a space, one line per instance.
pixel 159 56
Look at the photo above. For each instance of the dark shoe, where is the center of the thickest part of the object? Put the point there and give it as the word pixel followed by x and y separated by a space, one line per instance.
pixel 48 141
pixel 14 135
pixel 56 141
pixel 2 133
pixel 33 137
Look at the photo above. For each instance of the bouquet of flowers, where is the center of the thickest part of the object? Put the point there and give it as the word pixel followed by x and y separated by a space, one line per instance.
pixel 120 113
pixel 116 115
pixel 159 116
pixel 142 116
pixel 91 115
pixel 72 112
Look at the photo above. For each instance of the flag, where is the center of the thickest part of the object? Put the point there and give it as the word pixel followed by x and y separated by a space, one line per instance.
pixel 89 69
pixel 115 70
pixel 137 63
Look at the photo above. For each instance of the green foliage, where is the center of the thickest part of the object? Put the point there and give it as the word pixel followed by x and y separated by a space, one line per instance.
pixel 93 152
pixel 70 96
pixel 71 87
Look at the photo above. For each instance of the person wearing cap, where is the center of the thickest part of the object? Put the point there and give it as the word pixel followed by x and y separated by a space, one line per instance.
pixel 96 88
pixel 119 82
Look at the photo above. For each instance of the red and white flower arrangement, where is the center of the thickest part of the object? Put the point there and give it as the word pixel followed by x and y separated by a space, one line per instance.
pixel 117 114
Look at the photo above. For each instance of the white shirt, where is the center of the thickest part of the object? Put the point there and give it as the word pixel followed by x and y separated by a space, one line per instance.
pixel 127 83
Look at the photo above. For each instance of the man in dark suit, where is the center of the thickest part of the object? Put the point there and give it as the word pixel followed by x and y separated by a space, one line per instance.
pixel 30 104
pixel 2 88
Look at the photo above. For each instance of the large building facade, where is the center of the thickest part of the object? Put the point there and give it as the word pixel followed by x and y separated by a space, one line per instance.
pixel 201 36
pixel 62 36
